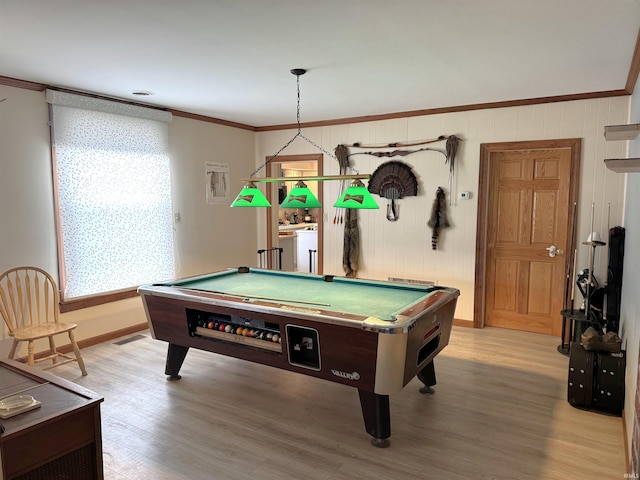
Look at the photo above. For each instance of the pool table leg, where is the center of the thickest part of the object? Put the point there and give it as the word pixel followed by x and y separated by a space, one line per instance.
pixel 175 357
pixel 427 376
pixel 377 422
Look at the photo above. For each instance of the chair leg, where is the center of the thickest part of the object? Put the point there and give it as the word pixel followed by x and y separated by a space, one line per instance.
pixel 53 351
pixel 14 347
pixel 76 351
pixel 31 360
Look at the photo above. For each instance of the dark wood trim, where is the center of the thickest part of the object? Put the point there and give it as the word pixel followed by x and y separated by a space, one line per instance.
pixel 633 74
pixel 40 87
pixel 459 108
pixel 93 300
pixel 16 82
pixel 310 157
pixel 486 149
pixel 203 118
pixel 634 69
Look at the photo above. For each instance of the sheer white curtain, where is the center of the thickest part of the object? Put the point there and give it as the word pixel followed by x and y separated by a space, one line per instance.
pixel 113 184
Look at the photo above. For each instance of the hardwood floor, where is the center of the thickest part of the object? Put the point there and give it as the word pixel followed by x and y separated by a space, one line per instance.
pixel 499 412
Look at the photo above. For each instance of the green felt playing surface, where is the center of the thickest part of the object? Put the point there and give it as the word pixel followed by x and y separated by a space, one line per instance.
pixel 346 295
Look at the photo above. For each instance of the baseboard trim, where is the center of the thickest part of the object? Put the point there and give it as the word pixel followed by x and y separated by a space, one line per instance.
pixel 626 443
pixel 88 342
pixel 107 337
pixel 463 323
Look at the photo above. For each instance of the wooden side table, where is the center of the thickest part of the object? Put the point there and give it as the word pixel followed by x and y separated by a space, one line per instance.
pixel 60 439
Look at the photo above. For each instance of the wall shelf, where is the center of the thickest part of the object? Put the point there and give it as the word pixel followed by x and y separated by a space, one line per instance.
pixel 621 132
pixel 623 165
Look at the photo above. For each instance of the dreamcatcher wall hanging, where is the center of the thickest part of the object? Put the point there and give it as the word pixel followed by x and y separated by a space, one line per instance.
pixel 393 180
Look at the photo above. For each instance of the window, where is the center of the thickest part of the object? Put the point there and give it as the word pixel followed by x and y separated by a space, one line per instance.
pixel 113 194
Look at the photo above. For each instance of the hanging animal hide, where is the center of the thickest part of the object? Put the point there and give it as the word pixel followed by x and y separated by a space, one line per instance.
pixel 351 250
pixel 342 155
pixel 438 219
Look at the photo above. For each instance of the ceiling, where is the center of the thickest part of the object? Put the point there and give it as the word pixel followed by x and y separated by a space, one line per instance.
pixel 230 59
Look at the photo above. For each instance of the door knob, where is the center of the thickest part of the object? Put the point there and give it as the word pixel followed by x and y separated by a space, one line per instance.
pixel 553 251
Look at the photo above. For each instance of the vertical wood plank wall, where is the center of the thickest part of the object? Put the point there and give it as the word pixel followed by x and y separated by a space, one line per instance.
pixel 403 248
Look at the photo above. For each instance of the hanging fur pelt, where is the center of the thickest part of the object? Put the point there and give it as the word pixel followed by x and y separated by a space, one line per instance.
pixel 351 250
pixel 438 219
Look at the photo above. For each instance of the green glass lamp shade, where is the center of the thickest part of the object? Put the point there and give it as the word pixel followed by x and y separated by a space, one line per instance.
pixel 300 197
pixel 356 196
pixel 250 196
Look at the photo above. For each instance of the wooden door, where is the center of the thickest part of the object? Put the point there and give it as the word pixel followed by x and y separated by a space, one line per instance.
pixel 529 208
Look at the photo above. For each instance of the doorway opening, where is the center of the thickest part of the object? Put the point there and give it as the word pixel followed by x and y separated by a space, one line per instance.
pixel 297 231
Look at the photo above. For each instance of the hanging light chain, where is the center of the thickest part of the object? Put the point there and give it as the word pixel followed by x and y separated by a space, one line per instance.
pixel 297 73
pixel 298 108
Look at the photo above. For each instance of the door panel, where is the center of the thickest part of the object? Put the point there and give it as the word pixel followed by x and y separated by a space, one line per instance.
pixel 528 211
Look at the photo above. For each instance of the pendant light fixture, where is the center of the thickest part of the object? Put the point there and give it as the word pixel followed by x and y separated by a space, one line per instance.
pixel 251 196
pixel 356 196
pixel 300 196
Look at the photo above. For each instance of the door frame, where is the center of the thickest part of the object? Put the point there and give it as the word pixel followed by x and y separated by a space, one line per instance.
pixel 270 221
pixel 486 150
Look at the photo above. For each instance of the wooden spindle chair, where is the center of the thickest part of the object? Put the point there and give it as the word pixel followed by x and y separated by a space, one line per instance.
pixel 29 302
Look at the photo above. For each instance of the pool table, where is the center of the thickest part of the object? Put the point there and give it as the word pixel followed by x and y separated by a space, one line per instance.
pixel 372 335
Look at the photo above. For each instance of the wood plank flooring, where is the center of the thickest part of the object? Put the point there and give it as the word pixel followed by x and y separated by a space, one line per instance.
pixel 499 412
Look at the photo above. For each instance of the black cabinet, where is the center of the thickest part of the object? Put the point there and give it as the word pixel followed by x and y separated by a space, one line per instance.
pixel 596 380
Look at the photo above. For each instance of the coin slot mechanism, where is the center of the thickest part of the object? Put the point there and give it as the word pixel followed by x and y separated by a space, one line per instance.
pixel 303 346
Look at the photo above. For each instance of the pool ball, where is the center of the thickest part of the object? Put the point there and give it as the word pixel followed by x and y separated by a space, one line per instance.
pixel 240 330
pixel 210 326
pixel 221 327
pixel 228 328
pixel 269 336
pixel 275 338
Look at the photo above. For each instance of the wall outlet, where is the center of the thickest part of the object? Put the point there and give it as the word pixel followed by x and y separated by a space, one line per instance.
pixel 464 195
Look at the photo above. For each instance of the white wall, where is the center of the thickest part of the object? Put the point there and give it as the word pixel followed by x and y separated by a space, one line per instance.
pixel 403 248
pixel 630 308
pixel 209 237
